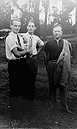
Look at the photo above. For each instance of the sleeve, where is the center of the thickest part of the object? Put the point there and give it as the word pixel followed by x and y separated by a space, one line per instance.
pixel 11 43
pixel 70 47
pixel 40 42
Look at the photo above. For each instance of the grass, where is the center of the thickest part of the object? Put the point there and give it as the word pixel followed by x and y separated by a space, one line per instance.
pixel 40 115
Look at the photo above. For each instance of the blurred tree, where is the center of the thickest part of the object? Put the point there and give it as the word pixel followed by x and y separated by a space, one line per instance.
pixel 75 26
pixel 55 15
pixel 5 13
pixel 36 16
pixel 46 5
pixel 68 6
pixel 31 10
pixel 31 13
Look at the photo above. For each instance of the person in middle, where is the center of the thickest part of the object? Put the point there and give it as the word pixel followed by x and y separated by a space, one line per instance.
pixel 34 44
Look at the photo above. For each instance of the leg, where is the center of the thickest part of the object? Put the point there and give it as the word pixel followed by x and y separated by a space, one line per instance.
pixel 52 93
pixel 33 75
pixel 13 85
pixel 63 98
pixel 13 78
pixel 52 87
pixel 24 78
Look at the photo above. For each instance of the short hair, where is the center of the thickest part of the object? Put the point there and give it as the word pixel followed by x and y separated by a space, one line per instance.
pixel 14 19
pixel 57 25
pixel 31 21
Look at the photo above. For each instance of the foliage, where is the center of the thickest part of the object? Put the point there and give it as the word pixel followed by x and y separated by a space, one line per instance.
pixel 5 13
pixel 31 11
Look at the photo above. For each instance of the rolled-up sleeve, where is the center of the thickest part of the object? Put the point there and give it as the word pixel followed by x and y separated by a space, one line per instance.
pixel 11 44
pixel 40 42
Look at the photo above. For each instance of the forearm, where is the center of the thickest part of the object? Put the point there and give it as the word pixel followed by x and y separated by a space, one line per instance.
pixel 18 54
pixel 21 53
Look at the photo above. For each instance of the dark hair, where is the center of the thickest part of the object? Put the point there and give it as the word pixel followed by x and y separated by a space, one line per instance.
pixel 31 21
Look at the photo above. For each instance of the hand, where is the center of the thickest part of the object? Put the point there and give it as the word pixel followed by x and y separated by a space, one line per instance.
pixel 38 42
pixel 25 47
pixel 19 48
pixel 25 39
pixel 31 51
pixel 61 63
pixel 27 51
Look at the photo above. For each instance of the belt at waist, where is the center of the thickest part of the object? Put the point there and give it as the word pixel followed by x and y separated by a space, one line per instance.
pixel 31 56
pixel 53 60
pixel 23 57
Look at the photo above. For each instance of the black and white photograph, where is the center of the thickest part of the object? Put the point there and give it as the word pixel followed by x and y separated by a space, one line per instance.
pixel 38 64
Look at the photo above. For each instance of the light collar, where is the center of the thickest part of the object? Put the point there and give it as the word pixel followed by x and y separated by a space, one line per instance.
pixel 57 39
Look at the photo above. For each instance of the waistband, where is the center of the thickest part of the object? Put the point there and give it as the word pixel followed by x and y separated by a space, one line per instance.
pixel 53 60
pixel 31 56
pixel 21 58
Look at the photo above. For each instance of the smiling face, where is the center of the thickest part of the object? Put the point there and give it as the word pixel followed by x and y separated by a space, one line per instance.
pixel 31 27
pixel 15 26
pixel 57 31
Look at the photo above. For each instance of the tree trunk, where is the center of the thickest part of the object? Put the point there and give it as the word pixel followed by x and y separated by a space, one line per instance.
pixel 76 18
pixel 45 23
pixel 37 2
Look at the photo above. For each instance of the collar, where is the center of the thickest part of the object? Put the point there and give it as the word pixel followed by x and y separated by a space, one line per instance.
pixel 57 39
pixel 30 35
pixel 12 33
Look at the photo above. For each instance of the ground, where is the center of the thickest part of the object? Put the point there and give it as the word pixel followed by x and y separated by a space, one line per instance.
pixel 39 115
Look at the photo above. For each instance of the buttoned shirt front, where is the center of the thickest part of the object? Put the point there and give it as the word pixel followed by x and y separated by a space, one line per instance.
pixel 11 43
pixel 35 40
pixel 57 40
